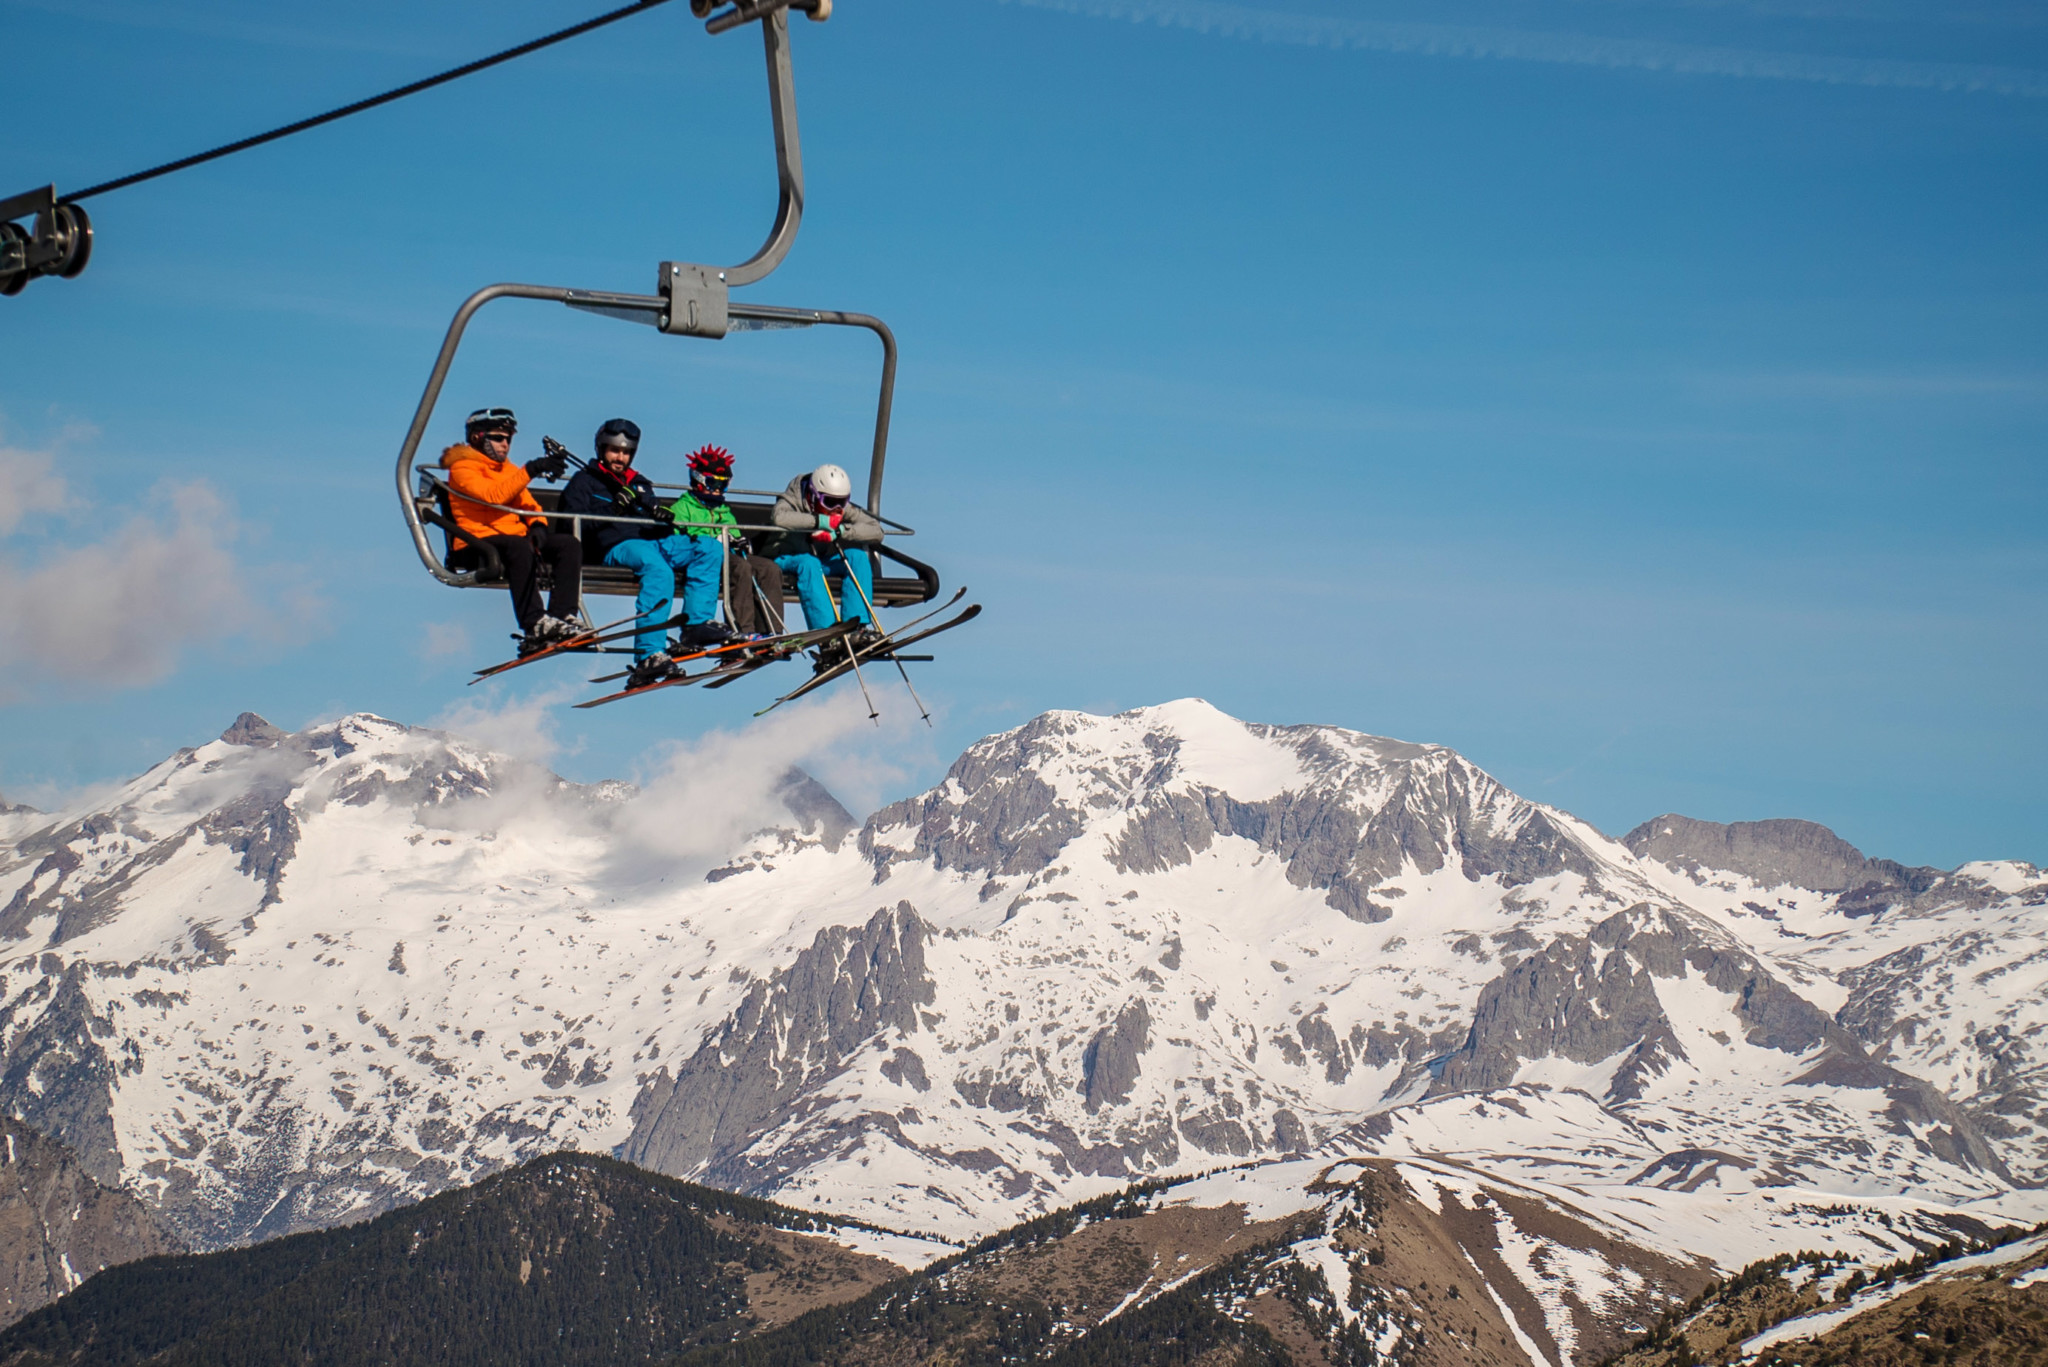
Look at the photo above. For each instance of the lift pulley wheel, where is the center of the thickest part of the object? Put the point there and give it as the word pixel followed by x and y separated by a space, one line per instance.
pixel 60 245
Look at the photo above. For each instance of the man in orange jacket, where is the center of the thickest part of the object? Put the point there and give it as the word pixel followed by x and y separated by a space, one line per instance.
pixel 480 473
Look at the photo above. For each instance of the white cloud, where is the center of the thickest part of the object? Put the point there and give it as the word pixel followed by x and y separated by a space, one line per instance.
pixel 117 611
pixel 116 607
pixel 1571 49
pixel 32 486
pixel 524 727
pixel 702 797
pixel 439 640
pixel 698 800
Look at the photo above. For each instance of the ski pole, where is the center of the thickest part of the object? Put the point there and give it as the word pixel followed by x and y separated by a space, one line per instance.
pixel 868 603
pixel 725 579
pixel 852 655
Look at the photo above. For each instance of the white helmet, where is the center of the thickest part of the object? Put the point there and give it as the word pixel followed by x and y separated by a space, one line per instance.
pixel 829 481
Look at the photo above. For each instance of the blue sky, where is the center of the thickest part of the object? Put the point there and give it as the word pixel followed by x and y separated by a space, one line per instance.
pixel 1646 398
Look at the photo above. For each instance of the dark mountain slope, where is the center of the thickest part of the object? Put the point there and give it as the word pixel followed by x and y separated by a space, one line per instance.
pixel 571 1259
pixel 57 1225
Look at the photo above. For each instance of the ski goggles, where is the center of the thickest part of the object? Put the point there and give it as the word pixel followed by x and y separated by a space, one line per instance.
pixel 715 483
pixel 497 418
pixel 833 501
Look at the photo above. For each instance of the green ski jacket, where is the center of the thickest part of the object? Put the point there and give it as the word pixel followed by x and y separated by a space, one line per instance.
pixel 689 511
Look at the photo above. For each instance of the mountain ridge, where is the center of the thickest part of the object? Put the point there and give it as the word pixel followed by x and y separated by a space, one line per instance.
pixel 285 980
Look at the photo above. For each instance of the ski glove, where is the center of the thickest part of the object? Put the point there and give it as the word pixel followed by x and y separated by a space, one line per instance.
pixel 537 533
pixel 550 466
pixel 665 516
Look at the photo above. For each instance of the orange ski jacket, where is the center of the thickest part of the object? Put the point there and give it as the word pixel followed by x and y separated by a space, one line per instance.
pixel 485 480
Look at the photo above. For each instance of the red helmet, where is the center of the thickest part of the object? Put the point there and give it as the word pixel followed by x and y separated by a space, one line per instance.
pixel 715 461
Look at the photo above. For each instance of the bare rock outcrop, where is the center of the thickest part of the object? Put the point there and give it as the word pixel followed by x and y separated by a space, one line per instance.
pixel 58 1226
pixel 1778 852
pixel 791 1034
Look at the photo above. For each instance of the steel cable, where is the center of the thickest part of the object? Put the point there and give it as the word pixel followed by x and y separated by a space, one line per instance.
pixel 360 105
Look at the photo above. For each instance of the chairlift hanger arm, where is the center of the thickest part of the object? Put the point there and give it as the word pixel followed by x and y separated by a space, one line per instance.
pixel 789 156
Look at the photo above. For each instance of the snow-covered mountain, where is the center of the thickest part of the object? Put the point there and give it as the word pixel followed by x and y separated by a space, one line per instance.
pixel 284 980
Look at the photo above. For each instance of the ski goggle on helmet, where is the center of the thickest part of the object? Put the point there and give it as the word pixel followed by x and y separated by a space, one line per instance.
pixel 491 420
pixel 619 434
pixel 830 486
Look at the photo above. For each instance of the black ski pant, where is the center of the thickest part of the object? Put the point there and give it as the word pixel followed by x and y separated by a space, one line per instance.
pixel 564 556
pixel 755 586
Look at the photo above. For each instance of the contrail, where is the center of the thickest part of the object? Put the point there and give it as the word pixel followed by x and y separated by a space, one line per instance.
pixel 1521 45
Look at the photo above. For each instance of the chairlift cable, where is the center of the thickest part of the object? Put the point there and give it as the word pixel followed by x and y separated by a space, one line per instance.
pixel 454 73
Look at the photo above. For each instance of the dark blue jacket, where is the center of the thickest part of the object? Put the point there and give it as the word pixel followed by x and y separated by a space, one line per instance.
pixel 592 492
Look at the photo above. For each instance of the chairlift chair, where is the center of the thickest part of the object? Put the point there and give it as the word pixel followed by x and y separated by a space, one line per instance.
pixel 693 301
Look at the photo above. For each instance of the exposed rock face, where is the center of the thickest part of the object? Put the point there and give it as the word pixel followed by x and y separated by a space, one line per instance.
pixel 58 1076
pixel 251 730
pixel 1908 1008
pixel 1593 999
pixel 1111 1063
pixel 57 1225
pixel 1775 853
pixel 1352 812
pixel 1801 853
pixel 816 811
pixel 792 1035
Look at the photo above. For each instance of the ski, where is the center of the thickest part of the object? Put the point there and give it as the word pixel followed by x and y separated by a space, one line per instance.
pixel 736 675
pixel 772 648
pixel 880 650
pixel 586 641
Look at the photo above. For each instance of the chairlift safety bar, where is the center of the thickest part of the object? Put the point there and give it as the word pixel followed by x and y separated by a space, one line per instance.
pixel 427 476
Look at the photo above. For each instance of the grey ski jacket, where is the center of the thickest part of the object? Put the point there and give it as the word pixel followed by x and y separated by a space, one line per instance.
pixel 796 521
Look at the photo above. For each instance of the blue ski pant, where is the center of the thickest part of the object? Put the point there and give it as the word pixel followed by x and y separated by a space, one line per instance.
pixel 812 592
pixel 655 564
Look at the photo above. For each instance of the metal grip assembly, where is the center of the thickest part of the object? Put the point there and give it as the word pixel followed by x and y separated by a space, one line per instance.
pixel 59 245
pixel 747 11
pixel 695 300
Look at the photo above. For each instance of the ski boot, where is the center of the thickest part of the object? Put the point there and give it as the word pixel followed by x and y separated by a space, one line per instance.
pixel 831 655
pixel 704 635
pixel 652 670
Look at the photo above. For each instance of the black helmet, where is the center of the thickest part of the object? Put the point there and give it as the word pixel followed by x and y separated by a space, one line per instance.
pixel 619 432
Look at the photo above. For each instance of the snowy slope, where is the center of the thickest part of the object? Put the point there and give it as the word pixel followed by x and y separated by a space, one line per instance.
pixel 281 981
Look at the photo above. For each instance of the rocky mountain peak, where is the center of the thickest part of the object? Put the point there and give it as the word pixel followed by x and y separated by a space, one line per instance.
pixel 250 729
pixel 1154 787
pixel 1774 853
pixel 1787 853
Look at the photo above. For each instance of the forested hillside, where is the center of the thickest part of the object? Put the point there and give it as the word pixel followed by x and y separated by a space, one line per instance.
pixel 569 1260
